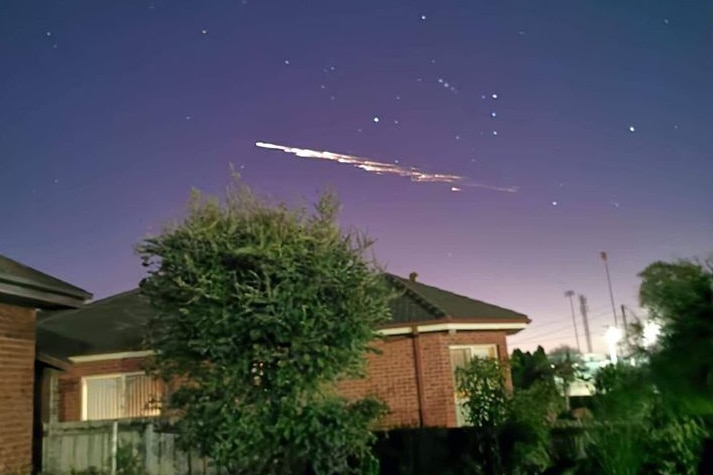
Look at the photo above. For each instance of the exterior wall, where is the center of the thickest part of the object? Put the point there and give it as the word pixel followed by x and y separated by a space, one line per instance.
pixel 17 370
pixel 391 376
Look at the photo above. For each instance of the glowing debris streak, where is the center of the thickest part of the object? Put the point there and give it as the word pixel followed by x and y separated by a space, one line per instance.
pixel 457 182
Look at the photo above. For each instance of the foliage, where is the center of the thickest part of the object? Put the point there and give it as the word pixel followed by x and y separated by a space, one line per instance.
pixel 525 434
pixel 679 296
pixel 636 432
pixel 566 368
pixel 260 309
pixel 481 384
pixel 528 368
pixel 512 433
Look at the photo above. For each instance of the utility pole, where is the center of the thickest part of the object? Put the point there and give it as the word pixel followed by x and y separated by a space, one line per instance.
pixel 583 310
pixel 623 320
pixel 604 257
pixel 570 294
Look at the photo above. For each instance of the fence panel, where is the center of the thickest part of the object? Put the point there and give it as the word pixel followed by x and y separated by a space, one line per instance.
pixel 79 446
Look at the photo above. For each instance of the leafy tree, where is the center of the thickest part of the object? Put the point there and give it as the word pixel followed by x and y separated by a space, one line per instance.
pixel 511 434
pixel 482 385
pixel 259 310
pixel 566 366
pixel 679 296
pixel 635 432
pixel 530 368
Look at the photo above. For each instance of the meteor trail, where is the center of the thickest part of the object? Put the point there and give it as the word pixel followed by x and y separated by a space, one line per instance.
pixel 457 182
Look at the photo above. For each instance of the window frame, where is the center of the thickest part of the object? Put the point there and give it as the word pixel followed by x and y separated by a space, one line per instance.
pixel 122 396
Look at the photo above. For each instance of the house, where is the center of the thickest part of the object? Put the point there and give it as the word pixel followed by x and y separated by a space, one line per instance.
pixel 23 291
pixel 431 332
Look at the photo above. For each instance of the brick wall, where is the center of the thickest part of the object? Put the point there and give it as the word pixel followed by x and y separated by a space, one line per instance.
pixel 391 377
pixel 17 363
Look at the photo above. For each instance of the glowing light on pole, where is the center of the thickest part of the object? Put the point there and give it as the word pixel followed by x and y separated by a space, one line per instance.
pixel 612 337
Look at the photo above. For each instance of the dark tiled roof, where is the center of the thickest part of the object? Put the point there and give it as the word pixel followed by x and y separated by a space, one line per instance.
pixel 118 323
pixel 13 271
pixel 111 325
pixel 439 303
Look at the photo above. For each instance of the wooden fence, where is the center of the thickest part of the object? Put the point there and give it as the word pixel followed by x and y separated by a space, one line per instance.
pixel 105 445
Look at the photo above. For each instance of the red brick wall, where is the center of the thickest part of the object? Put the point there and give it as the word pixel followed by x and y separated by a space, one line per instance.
pixel 391 377
pixel 17 363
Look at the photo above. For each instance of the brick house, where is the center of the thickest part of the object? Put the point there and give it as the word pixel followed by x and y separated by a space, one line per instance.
pixel 431 332
pixel 23 291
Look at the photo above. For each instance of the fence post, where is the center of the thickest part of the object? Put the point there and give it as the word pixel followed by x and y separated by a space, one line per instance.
pixel 114 445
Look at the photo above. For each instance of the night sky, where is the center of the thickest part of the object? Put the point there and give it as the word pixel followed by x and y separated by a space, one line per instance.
pixel 588 125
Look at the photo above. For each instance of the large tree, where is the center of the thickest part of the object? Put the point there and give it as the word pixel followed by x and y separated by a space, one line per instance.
pixel 679 297
pixel 259 310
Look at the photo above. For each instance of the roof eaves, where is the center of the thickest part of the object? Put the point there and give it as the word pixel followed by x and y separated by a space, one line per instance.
pixel 68 290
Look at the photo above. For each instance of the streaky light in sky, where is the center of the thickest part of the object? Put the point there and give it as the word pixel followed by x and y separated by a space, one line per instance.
pixel 382 168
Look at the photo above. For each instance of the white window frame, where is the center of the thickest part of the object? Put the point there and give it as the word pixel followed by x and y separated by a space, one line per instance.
pixel 122 377
pixel 473 353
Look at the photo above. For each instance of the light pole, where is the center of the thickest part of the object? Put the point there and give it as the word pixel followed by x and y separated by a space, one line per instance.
pixel 570 295
pixel 604 257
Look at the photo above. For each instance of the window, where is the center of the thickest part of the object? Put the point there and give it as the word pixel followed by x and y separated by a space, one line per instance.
pixel 460 356
pixel 120 396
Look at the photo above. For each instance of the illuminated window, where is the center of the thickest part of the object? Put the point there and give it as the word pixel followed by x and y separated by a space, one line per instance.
pixel 120 396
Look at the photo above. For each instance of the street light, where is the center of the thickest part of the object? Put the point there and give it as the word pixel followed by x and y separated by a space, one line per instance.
pixel 613 337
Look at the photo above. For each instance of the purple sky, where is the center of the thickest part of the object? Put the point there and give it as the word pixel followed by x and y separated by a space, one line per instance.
pixel 111 111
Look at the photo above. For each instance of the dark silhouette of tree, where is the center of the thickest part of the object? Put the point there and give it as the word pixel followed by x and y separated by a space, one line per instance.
pixel 679 296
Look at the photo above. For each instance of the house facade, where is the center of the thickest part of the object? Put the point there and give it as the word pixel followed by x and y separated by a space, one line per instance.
pixel 23 291
pixel 431 333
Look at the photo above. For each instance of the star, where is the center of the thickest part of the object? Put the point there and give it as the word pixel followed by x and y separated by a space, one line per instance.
pixel 555 203
pixel 423 17
pixel 205 32
pixel 287 62
pixel 632 129
pixel 493 114
pixel 494 96
pixel 396 122
pixel 376 120
pixel 398 98
pixel 48 34
pixel 495 132
pixel 665 21
pixel 188 117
